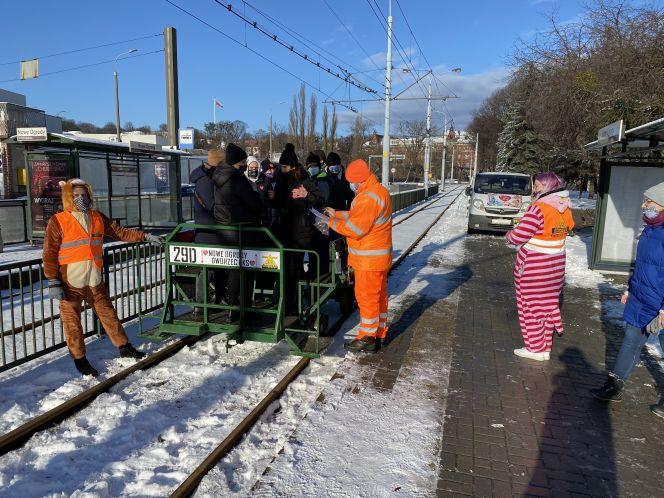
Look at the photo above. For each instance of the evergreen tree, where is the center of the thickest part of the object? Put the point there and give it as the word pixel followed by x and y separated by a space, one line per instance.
pixel 519 148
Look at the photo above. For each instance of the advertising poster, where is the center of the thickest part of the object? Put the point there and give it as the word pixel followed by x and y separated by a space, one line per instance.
pixel 505 201
pixel 45 196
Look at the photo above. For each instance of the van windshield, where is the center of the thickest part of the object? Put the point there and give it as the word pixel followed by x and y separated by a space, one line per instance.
pixel 502 184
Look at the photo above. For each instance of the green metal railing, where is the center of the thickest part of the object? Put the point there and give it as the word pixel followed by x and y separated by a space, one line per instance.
pixel 31 326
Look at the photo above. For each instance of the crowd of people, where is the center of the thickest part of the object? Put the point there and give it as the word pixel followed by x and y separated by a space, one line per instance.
pixel 232 187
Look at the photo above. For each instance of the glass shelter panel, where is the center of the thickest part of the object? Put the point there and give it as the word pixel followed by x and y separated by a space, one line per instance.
pixel 124 185
pixel 623 221
pixel 158 202
pixel 94 170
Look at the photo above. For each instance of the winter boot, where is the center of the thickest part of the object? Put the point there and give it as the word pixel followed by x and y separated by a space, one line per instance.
pixel 129 351
pixel 84 367
pixel 658 409
pixel 364 345
pixel 610 391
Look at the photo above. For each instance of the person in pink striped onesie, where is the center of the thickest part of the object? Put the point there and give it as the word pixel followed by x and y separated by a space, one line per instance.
pixel 539 273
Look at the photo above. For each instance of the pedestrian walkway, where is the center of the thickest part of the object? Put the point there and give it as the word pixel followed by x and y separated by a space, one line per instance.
pixel 516 427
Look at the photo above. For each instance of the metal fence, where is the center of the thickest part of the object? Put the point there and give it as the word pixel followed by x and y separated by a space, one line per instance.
pixel 31 325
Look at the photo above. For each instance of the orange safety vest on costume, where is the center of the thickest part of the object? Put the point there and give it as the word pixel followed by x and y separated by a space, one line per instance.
pixel 554 231
pixel 367 227
pixel 78 245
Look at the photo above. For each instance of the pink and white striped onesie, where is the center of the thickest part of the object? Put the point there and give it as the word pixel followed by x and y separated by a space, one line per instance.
pixel 539 280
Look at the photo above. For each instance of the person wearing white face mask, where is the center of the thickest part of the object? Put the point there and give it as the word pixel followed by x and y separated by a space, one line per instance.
pixel 644 301
pixel 253 169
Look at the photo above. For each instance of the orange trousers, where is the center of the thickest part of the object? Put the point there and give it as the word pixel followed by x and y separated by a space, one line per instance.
pixel 371 295
pixel 70 313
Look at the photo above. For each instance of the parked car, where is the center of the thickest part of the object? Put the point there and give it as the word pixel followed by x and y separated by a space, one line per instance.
pixel 498 200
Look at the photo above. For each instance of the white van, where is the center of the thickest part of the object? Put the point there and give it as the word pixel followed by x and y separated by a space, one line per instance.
pixel 497 200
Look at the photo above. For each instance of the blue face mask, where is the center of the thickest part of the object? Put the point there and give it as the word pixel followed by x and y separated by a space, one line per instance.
pixel 354 187
pixel 335 170
pixel 314 170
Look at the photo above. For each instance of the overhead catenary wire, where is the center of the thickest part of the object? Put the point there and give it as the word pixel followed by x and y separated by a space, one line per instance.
pixel 265 58
pixel 74 51
pixel 294 50
pixel 83 66
pixel 314 46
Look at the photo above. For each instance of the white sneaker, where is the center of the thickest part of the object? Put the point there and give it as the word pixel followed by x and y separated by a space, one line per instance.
pixel 524 353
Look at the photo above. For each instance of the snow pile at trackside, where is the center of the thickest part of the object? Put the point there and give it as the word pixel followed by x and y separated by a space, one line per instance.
pixel 577 272
pixel 582 202
pixel 334 451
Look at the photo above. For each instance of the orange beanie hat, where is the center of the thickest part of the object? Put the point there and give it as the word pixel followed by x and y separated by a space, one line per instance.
pixel 357 171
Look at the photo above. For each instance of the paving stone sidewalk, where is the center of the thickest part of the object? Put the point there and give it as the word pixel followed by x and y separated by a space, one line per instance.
pixel 516 427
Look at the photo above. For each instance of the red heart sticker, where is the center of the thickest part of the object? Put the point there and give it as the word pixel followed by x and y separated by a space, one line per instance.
pixel 205 252
pixel 504 198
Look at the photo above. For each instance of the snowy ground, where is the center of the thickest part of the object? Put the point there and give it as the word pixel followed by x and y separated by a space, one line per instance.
pixel 163 422
pixel 582 202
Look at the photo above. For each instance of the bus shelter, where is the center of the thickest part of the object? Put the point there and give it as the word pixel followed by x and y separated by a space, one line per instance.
pixel 135 184
pixel 630 162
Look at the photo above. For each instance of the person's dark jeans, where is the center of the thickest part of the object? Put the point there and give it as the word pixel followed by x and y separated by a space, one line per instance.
pixel 630 350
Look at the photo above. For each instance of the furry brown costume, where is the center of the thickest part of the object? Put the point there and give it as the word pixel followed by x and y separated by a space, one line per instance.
pixel 72 261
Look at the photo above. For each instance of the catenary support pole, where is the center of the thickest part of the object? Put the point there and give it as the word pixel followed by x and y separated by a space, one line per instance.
pixel 477 142
pixel 385 173
pixel 442 172
pixel 427 145
pixel 172 99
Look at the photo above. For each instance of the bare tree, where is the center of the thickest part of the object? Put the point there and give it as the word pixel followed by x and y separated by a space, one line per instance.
pixel 325 126
pixel 302 119
pixel 311 131
pixel 293 125
pixel 333 128
pixel 413 135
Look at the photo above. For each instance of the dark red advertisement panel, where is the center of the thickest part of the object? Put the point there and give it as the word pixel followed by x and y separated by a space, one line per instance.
pixel 45 195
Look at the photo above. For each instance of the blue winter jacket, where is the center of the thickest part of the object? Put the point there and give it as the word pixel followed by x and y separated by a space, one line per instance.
pixel 646 285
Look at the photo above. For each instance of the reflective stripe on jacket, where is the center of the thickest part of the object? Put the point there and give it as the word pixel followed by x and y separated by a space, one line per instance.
pixel 77 244
pixel 554 232
pixel 367 227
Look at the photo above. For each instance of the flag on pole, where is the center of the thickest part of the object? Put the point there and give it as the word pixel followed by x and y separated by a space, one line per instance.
pixel 218 104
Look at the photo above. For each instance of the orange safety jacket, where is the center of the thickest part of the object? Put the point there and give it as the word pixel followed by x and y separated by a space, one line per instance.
pixel 78 245
pixel 554 232
pixel 367 227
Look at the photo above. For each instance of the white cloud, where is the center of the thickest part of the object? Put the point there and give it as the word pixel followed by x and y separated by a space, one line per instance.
pixel 471 89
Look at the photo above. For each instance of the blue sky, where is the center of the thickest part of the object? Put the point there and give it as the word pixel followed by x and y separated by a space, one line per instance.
pixel 476 35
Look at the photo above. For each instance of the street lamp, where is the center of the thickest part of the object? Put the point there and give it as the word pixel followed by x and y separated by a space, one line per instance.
pixel 270 152
pixel 117 98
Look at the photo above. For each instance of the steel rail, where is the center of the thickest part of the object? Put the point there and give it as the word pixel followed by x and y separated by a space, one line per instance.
pixel 17 437
pixel 190 484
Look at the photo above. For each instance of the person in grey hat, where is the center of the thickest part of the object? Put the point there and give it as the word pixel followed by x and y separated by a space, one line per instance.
pixel 644 301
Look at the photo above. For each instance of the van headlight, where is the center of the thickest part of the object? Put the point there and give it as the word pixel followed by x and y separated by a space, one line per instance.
pixel 525 206
pixel 478 204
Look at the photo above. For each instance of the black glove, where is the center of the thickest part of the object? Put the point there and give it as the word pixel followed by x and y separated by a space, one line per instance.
pixel 55 290
pixel 154 239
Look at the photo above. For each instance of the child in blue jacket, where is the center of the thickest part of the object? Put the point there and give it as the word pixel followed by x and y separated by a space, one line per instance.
pixel 644 310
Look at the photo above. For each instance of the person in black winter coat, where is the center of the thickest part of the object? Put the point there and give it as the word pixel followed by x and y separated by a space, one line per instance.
pixel 295 193
pixel 203 201
pixel 341 195
pixel 266 185
pixel 235 201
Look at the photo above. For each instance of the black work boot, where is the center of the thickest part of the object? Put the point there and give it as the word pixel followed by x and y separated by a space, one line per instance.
pixel 84 367
pixel 610 391
pixel 658 409
pixel 366 344
pixel 129 351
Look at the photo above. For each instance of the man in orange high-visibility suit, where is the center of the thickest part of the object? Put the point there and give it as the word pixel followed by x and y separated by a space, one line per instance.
pixel 73 263
pixel 367 227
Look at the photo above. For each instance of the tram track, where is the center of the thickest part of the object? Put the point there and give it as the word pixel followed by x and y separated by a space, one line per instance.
pixel 190 484
pixel 17 437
